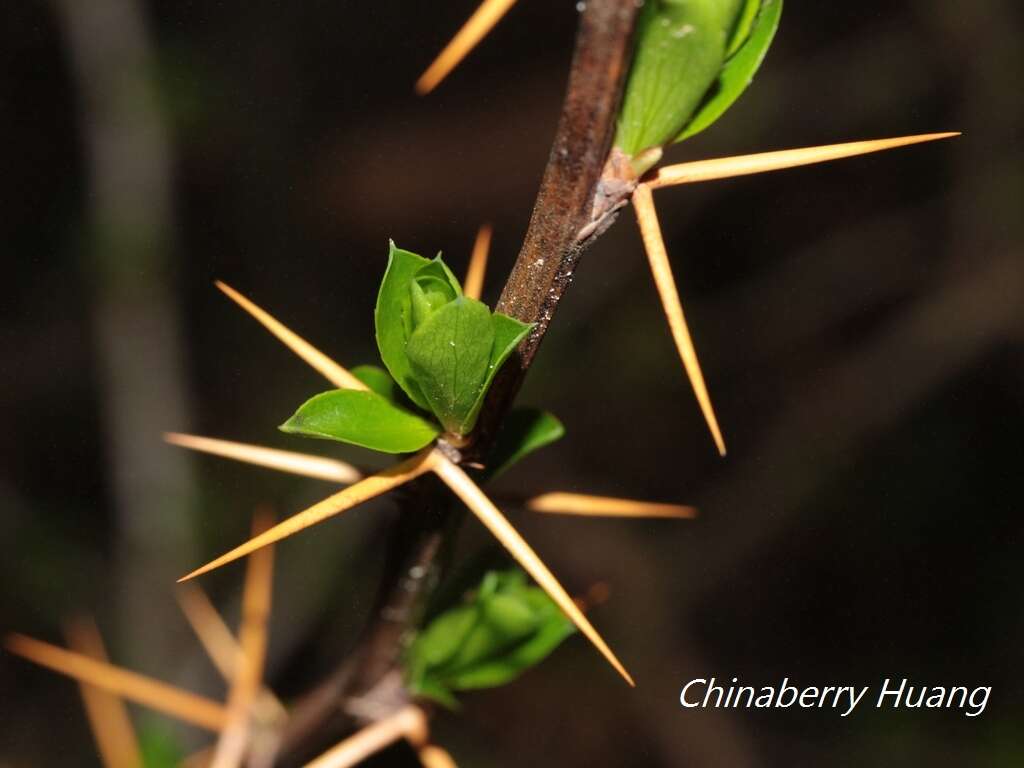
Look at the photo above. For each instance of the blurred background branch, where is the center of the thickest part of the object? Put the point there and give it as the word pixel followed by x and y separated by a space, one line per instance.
pixel 129 254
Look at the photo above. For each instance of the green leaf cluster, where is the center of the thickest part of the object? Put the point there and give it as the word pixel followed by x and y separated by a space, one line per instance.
pixel 442 351
pixel 693 59
pixel 501 629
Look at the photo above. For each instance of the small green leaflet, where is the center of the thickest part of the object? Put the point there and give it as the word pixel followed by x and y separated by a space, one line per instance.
pixel 739 70
pixel 379 380
pixel 680 48
pixel 508 333
pixel 393 318
pixel 743 24
pixel 449 354
pixel 361 418
pixel 524 431
pixel 431 288
pixel 693 60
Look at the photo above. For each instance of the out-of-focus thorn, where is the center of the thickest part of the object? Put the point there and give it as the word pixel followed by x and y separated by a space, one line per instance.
pixel 188 707
pixel 356 494
pixel 333 372
pixel 256 595
pixel 743 165
pixel 654 245
pixel 495 521
pixel 215 637
pixel 466 39
pixel 433 756
pixel 474 283
pixel 304 464
pixel 605 506
pixel 220 645
pixel 199 759
pixel 408 723
pixel 108 717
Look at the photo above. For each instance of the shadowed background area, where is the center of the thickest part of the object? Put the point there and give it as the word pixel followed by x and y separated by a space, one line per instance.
pixel 859 324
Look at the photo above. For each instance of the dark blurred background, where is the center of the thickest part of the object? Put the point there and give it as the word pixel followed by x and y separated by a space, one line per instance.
pixel 859 324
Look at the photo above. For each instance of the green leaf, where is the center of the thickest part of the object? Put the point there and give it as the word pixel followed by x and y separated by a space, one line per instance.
pixel 499 630
pixel 524 431
pixel 680 48
pixel 510 616
pixel 743 25
pixel 508 333
pixel 432 287
pixel 449 354
pixel 511 666
pixel 438 643
pixel 378 380
pixel 436 269
pixel 554 628
pixel 158 745
pixel 361 418
pixel 483 642
pixel 393 318
pixel 739 70
pixel 434 690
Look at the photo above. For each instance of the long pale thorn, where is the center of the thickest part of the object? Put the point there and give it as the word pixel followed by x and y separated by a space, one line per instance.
pixel 466 39
pixel 433 756
pixel 256 596
pixel 108 716
pixel 219 643
pixel 333 372
pixel 199 759
pixel 473 285
pixel 356 494
pixel 304 464
pixel 188 707
pixel 586 505
pixel 213 634
pixel 654 245
pixel 408 723
pixel 743 165
pixel 497 524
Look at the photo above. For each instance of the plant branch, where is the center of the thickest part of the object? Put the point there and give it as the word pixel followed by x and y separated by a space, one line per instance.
pixel 541 274
pixel 565 202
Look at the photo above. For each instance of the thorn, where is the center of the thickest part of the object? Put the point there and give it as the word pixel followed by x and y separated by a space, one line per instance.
pixel 215 637
pixel 473 31
pixel 605 506
pixel 743 165
pixel 333 372
pixel 356 494
pixel 474 283
pixel 199 759
pixel 108 717
pixel 504 532
pixel 220 645
pixel 433 756
pixel 188 707
pixel 409 723
pixel 650 231
pixel 252 644
pixel 303 464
